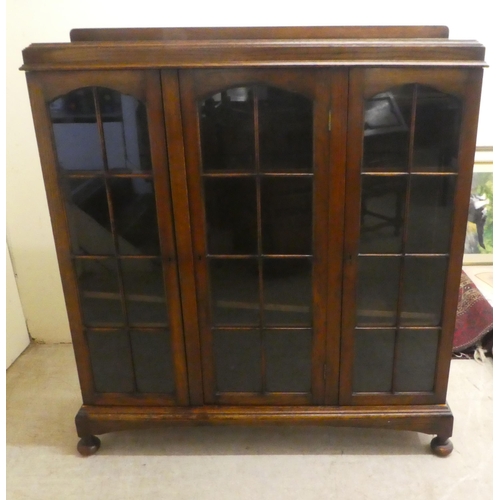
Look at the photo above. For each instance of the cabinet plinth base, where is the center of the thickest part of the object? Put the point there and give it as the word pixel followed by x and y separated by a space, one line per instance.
pixel 428 419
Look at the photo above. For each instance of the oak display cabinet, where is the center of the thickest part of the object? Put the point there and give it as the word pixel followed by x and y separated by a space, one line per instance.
pixel 259 225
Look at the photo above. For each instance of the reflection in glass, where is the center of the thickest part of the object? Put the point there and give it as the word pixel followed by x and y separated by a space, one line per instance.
pixel 287 291
pixel 231 215
pixel 76 135
pixel 416 355
pixel 135 216
pixel 153 364
pixel 144 291
pixel 377 290
pixel 382 210
pixel 288 357
pixel 111 361
pixel 387 130
pixel 430 214
pixel 125 131
pixel 76 131
pixel 88 216
pixel 287 215
pixel 227 130
pixel 437 130
pixel 285 130
pixel 100 299
pixel 237 361
pixel 373 360
pixel 234 289
pixel 423 291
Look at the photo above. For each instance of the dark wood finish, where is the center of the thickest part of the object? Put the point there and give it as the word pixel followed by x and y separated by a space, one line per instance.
pixel 144 86
pixel 338 151
pixel 337 68
pixel 180 199
pixel 88 445
pixel 428 419
pixel 441 447
pixel 253 53
pixel 277 32
pixel 60 229
pixel 365 83
pixel 471 93
pixel 315 84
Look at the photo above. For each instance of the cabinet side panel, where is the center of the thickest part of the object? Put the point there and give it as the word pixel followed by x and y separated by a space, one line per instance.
pixel 471 102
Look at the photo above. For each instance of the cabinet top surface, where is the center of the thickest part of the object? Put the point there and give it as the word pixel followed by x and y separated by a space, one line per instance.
pixel 253 47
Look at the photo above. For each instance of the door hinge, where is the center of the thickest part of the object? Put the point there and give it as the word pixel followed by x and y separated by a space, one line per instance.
pixel 330 120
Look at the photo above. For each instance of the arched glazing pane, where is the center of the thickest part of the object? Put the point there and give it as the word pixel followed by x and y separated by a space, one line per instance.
pixel 227 130
pixel 256 128
pixel 286 131
pixel 412 128
pixel 387 130
pixel 75 129
pixel 96 128
pixel 437 130
pixel 257 180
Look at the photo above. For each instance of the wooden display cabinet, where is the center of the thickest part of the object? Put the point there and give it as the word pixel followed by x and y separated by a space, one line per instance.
pixel 259 225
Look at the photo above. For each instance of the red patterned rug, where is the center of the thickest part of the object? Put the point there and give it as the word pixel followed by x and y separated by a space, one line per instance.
pixel 474 323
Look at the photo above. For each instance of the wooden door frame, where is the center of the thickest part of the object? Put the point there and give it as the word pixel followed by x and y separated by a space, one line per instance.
pixel 196 84
pixel 364 83
pixel 145 86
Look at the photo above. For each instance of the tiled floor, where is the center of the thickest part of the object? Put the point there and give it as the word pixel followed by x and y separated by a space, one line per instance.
pixel 237 463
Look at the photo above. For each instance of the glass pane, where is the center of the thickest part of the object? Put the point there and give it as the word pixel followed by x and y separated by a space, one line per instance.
pixel 234 289
pixel 88 216
pixel 287 291
pixel 431 213
pixel 135 216
pixel 287 215
pixel 378 284
pixel 387 130
pixel 285 130
pixel 227 130
pixel 288 360
pixel 237 361
pixel 424 283
pixel 144 292
pixel 437 131
pixel 99 292
pixel 417 353
pixel 125 131
pixel 231 212
pixel 373 360
pixel 382 210
pixel 76 134
pixel 153 361
pixel 111 361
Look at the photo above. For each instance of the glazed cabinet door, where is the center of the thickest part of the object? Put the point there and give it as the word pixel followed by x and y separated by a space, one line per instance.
pixel 257 145
pixel 102 142
pixel 410 153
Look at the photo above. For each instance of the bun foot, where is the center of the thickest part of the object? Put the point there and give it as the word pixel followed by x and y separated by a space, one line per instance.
pixel 88 445
pixel 441 447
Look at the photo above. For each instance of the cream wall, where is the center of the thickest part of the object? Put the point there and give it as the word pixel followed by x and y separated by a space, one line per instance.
pixel 18 338
pixel 28 225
